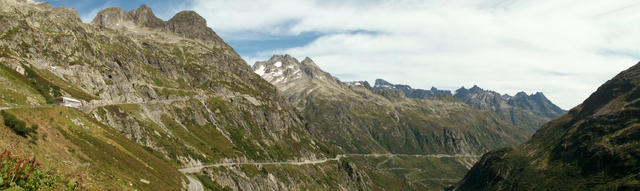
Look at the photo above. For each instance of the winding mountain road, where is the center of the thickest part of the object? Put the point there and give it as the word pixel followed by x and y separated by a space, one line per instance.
pixel 194 184
pixel 338 157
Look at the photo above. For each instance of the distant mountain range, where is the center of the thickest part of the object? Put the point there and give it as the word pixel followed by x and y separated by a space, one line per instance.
pixel 528 112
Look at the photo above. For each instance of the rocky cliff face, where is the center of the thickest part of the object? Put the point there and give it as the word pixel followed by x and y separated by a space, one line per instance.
pixel 593 147
pixel 356 119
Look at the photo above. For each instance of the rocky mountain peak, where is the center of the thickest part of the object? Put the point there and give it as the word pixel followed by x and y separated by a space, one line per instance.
pixel 462 91
pixel 380 83
pixel 307 60
pixel 144 16
pixel 191 25
pixel 476 89
pixel 189 17
pixel 281 68
pixel 360 83
pixel 521 94
pixel 187 24
pixel 536 103
pixel 112 16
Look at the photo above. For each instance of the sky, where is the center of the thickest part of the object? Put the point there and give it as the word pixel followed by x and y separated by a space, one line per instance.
pixel 563 48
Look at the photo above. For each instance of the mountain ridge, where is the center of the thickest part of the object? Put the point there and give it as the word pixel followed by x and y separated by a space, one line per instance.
pixel 528 112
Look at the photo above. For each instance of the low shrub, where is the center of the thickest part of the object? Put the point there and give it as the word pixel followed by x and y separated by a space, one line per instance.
pixel 18 126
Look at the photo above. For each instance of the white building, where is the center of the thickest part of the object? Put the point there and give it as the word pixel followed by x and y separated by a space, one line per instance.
pixel 69 102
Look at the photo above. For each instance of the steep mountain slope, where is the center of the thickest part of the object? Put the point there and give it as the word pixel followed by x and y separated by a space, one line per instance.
pixel 157 96
pixel 593 147
pixel 359 120
pixel 525 111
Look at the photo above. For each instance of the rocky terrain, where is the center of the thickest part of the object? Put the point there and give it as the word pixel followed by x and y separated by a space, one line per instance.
pixel 593 147
pixel 359 119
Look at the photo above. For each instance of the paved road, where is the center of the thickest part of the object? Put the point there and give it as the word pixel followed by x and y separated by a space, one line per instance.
pixel 338 157
pixel 194 184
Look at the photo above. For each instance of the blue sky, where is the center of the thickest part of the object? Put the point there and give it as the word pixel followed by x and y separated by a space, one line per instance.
pixel 564 48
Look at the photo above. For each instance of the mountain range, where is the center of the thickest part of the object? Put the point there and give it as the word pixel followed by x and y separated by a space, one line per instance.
pixel 169 105
pixel 528 112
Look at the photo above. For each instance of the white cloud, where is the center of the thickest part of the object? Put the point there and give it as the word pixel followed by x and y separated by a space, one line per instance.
pixel 564 48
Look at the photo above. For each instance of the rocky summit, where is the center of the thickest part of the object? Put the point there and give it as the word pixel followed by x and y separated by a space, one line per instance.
pixel 593 147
